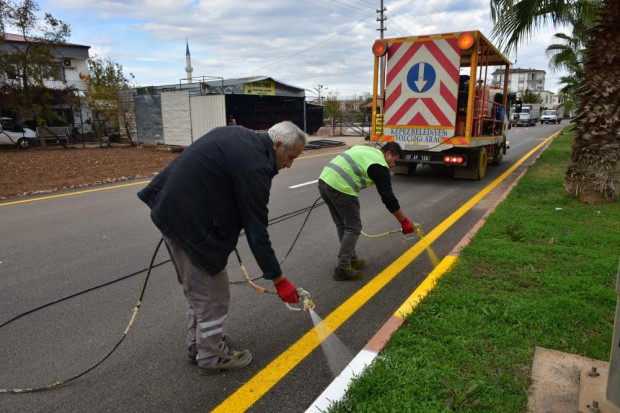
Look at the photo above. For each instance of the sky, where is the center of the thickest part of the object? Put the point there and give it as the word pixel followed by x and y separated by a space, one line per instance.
pixel 304 43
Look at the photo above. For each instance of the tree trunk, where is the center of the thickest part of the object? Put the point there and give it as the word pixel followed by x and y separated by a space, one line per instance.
pixel 593 172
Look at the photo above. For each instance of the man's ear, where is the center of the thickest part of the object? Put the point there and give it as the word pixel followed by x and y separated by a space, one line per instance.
pixel 277 144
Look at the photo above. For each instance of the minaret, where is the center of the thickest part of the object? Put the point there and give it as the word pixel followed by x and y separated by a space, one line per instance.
pixel 188 63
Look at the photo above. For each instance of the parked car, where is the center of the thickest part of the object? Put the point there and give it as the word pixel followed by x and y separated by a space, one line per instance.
pixel 12 133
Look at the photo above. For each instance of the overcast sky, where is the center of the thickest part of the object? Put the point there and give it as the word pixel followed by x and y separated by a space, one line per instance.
pixel 304 43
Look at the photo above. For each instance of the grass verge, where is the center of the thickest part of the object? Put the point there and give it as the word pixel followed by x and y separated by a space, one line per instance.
pixel 541 272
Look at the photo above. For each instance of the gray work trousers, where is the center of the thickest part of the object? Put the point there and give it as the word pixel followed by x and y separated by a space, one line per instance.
pixel 345 211
pixel 208 297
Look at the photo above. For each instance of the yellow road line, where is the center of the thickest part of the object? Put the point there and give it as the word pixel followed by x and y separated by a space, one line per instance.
pixel 427 285
pixel 264 380
pixel 43 198
pixel 322 154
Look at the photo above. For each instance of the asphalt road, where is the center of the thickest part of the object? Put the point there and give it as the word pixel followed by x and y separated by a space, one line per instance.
pixel 51 248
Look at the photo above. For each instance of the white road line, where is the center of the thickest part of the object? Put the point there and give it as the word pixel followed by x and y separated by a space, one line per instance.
pixel 304 184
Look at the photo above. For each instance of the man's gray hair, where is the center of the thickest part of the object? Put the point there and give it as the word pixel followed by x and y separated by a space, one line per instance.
pixel 287 133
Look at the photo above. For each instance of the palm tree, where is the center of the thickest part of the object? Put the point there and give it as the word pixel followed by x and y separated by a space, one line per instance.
pixel 593 173
pixel 529 96
pixel 569 93
pixel 569 55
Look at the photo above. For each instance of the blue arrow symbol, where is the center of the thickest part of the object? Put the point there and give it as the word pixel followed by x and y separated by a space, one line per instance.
pixel 421 77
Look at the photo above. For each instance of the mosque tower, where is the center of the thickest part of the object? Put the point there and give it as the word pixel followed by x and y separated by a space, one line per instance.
pixel 188 63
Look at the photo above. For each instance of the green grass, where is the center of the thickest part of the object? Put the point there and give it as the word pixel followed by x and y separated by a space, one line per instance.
pixel 541 272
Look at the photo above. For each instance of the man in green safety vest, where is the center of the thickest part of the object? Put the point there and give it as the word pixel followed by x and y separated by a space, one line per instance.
pixel 340 182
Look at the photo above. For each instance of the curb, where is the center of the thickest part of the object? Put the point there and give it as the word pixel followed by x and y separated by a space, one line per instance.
pixel 337 389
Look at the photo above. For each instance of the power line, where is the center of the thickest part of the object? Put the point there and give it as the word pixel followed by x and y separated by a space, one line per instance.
pixel 303 51
pixel 347 7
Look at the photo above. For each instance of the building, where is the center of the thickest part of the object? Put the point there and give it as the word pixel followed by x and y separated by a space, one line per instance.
pixel 521 79
pixel 181 113
pixel 69 70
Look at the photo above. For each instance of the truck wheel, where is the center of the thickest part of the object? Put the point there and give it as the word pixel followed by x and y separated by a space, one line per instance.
pixel 499 154
pixel 482 162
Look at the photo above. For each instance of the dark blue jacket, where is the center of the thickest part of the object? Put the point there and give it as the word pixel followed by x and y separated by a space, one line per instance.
pixel 219 185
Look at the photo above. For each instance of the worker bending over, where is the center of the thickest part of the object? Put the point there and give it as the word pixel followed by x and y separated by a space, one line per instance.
pixel 218 186
pixel 340 182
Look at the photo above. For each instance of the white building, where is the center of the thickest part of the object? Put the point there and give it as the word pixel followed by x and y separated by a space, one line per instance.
pixel 70 60
pixel 521 79
pixel 70 70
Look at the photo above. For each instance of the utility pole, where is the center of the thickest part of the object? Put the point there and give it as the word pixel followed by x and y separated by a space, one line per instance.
pixel 381 74
pixel 381 19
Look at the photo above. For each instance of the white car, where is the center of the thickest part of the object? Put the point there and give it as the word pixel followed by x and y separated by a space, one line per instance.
pixel 550 116
pixel 12 133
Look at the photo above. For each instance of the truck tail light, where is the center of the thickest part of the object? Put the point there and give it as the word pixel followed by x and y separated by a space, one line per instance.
pixel 453 159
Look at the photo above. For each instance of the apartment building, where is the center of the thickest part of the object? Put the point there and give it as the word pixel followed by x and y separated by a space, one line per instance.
pixel 521 79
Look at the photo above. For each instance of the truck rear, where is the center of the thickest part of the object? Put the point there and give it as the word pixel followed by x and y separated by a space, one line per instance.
pixel 435 96
pixel 529 115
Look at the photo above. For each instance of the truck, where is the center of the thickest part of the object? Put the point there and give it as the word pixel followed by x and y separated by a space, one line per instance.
pixel 435 96
pixel 550 116
pixel 529 115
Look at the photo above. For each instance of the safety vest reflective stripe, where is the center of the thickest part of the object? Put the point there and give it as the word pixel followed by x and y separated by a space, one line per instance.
pixel 344 175
pixel 355 168
pixel 348 172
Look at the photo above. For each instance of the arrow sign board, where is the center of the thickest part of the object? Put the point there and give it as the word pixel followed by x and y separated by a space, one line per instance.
pixel 422 79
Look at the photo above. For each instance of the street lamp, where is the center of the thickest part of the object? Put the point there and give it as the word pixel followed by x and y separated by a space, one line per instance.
pixel 318 88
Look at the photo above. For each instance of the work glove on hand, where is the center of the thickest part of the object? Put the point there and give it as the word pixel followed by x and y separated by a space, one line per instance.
pixel 407 226
pixel 287 291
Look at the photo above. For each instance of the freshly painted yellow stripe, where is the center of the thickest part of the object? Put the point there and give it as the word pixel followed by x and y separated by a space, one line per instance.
pixel 264 380
pixel 428 284
pixel 42 198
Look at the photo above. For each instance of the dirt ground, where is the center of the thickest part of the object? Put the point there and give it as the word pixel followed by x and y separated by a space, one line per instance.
pixel 38 170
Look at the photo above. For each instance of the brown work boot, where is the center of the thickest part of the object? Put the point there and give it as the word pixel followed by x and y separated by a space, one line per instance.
pixel 192 351
pixel 358 264
pixel 347 275
pixel 229 360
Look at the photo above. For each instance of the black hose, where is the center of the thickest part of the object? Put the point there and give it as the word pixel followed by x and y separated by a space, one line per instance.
pixel 139 302
pixel 129 325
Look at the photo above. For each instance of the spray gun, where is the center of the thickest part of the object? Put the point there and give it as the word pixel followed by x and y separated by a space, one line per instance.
pixel 307 303
pixel 417 232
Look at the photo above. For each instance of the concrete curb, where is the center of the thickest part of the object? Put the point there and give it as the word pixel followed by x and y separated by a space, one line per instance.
pixel 336 390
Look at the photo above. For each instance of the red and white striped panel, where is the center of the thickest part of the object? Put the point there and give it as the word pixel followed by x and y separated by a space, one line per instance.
pixel 435 106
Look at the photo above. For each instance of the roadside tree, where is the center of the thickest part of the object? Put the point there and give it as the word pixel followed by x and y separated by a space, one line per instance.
pixel 569 51
pixel 109 97
pixel 331 107
pixel 593 173
pixel 529 96
pixel 30 62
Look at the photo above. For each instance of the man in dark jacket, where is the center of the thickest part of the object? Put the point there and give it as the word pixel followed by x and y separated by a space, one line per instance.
pixel 200 202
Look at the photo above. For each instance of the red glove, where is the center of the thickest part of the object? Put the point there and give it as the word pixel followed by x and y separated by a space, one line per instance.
pixel 407 226
pixel 287 291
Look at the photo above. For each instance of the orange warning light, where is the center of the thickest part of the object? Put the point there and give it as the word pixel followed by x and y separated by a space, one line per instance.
pixel 379 48
pixel 466 41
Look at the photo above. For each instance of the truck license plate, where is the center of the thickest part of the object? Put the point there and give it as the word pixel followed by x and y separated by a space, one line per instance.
pixel 421 157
